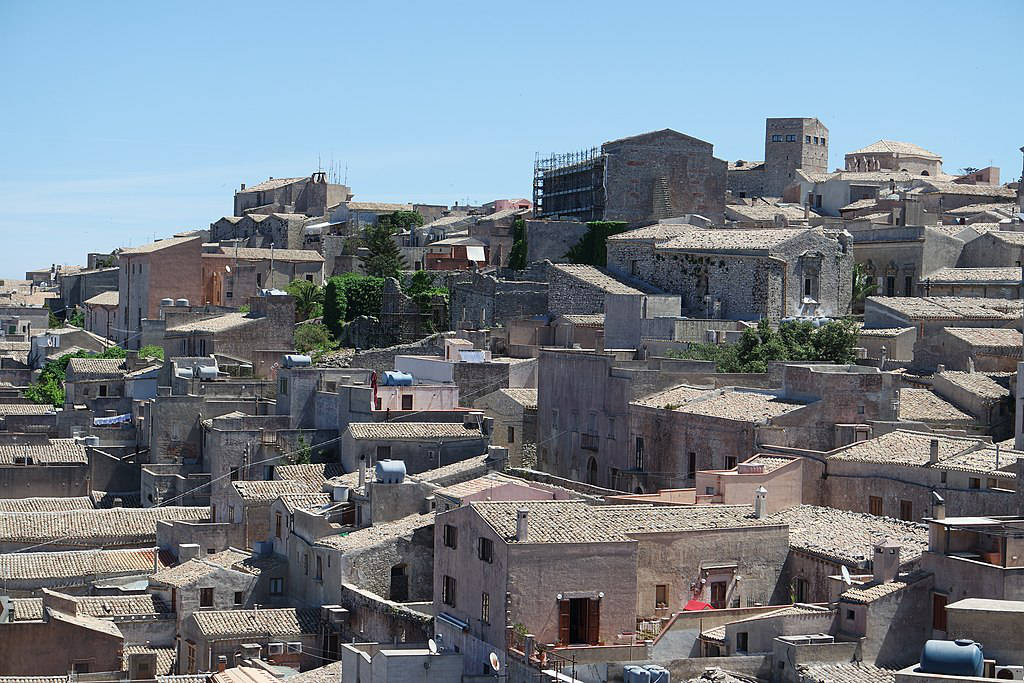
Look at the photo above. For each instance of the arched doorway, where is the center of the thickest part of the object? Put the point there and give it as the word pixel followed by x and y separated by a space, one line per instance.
pixel 399 583
pixel 592 471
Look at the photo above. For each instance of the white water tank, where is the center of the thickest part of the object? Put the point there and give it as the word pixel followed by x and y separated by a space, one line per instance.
pixel 181 302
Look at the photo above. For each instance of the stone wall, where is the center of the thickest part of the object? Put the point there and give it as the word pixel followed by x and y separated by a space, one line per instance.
pixel 479 300
pixel 551 240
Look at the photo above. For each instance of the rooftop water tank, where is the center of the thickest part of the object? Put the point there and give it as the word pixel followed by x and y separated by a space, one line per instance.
pixel 390 471
pixel 297 360
pixel 659 674
pixel 636 674
pixel 184 373
pixel 393 378
pixel 339 494
pixel 168 301
pixel 952 658
pixel 91 440
pixel 181 302
pixel 205 373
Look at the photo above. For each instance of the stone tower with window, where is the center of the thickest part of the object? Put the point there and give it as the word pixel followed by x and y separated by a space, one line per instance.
pixel 790 144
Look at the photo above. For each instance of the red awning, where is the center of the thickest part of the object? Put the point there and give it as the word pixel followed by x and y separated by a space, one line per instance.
pixel 696 606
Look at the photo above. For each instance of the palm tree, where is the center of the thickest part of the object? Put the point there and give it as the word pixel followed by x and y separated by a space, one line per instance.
pixel 309 299
pixel 863 287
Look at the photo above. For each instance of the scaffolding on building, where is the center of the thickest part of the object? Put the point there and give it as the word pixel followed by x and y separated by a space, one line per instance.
pixel 556 165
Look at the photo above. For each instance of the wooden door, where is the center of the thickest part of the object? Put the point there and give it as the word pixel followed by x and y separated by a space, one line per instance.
pixel 593 621
pixel 563 622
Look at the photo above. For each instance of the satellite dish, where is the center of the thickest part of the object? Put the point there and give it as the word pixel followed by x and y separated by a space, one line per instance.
pixel 846 575
pixel 495 664
pixel 227 269
pixel 432 646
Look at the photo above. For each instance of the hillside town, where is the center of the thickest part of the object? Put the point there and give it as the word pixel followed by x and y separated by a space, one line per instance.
pixel 669 418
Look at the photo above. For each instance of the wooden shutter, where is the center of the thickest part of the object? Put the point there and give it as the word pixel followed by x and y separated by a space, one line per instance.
pixel 593 621
pixel 563 622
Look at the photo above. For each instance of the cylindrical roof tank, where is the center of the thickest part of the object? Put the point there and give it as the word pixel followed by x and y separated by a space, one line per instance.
pixel 952 658
pixel 636 674
pixel 205 372
pixel 297 360
pixel 390 471
pixel 393 378
pixel 167 301
pixel 181 302
pixel 659 674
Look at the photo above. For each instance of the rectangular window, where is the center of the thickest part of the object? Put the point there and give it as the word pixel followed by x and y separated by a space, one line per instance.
pixel 800 590
pixel 485 608
pixel 875 505
pixel 661 595
pixel 206 597
pixel 639 453
pixel 890 286
pixel 238 598
pixel 319 568
pixel 448 591
pixel 939 611
pixel 742 641
pixel 511 434
pixel 191 658
pixel 277 586
pixel 234 477
pixel 378 403
pixel 908 286
pixel 815 139
pixel 282 385
pixel 383 452
pixel 485 550
pixel 974 483
pixel 776 138
pixel 277 525
pixel 807 139
pixel 807 286
pixel 850 615
pixel 823 141
pixel 907 511
pixel 718 591
pixel 305 564
pixel 103 390
pixel 790 138
pixel 730 462
pixel 554 419
pixel 406 401
pixel 451 536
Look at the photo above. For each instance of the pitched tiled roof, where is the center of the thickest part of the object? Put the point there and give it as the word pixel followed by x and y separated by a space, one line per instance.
pixel 56 451
pixel 867 593
pixel 769 463
pixel 269 490
pixel 456 472
pixel 1002 276
pixel 377 206
pixel 27 609
pixel 985 461
pixel 220 323
pixel 377 534
pixel 989 337
pixel 527 398
pixel 121 526
pixel 75 564
pixel 859 204
pixel 96 368
pixel 883 331
pixel 271 184
pixel 951 307
pixel 411 431
pixel 979 384
pixel 289 255
pixel 160 244
pixel 846 672
pixel 848 537
pixel 904 447
pixel 26 409
pixel 975 209
pixel 577 522
pixel 103 299
pixel 596 278
pixel 739 404
pixel 763 212
pixel 330 673
pixel 585 319
pixel 896 147
pixel 258 622
pixel 923 405
pixel 972 190
pixel 121 605
pixel 658 232
pixel 187 573
pixel 314 475
pixel 674 397
pixel 762 240
pixel 45 504
pixel 165 657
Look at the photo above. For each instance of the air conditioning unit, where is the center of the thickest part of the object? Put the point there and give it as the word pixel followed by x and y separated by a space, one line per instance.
pixel 275 649
pixel 1010 673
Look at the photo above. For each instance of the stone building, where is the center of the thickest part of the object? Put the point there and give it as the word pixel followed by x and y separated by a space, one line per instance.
pixel 80 529
pixel 101 314
pixel 994 249
pixel 495 232
pixel 310 196
pixel 170 268
pixel 480 300
pixel 928 315
pixel 890 155
pixel 420 445
pixel 985 283
pixel 207 635
pixel 26 574
pixel 573 573
pixel 744 274
pixel 515 420
pixel 231 275
pixel 985 349
pixel 789 144
pixel 77 288
pixel 899 259
pixel 636 179
pixel 260 231
pixel 43 467
pixel 940 196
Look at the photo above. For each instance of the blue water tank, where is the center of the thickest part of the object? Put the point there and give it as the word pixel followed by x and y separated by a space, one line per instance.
pixel 659 674
pixel 390 471
pixel 393 378
pixel 636 674
pixel 296 360
pixel 952 658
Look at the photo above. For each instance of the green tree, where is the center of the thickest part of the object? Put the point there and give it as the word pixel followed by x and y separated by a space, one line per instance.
pixel 834 341
pixel 517 256
pixel 49 386
pixel 385 258
pixel 364 293
pixel 309 299
pixel 592 249
pixel 863 287
pixel 397 221
pixel 302 455
pixel 152 351
pixel 311 337
pixel 77 318
pixel 335 305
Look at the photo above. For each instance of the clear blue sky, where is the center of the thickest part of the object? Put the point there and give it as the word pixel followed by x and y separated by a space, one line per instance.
pixel 125 120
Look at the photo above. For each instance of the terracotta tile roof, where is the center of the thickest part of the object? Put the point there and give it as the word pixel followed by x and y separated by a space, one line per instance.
pixel 331 673
pixel 884 331
pixel 57 451
pixel 983 461
pixel 904 447
pixel 1014 238
pixel 740 404
pixel 1003 276
pixel 979 384
pixel 377 534
pixel 307 501
pixel 867 593
pixel 96 368
pixel 763 240
pixel 26 409
pixel 45 504
pixel 577 522
pixel 103 299
pixel 271 184
pixel 769 463
pixel 488 481
pixel 378 207
pixel 269 490
pixel 859 204
pixel 527 398
pixel 848 537
pixel 75 564
pixel 119 526
pixel 896 147
pixel 160 244
pixel 595 278
pixel 925 406
pixel 287 255
pixel 27 609
pixel 584 319
pixel 659 232
pixel 764 212
pixel 412 431
pixel 220 323
pixel 962 189
pixel 113 606
pixel 990 337
pixel 259 622
pixel 846 672
pixel 974 209
pixel 456 472
pixel 186 573
pixel 951 307
pixel 166 657
pixel 313 475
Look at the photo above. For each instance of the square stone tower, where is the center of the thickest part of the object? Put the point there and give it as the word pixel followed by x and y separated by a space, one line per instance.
pixel 790 144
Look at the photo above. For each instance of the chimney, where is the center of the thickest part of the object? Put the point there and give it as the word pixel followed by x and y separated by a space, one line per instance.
pixel 933 452
pixel 243 187
pixel 362 471
pixel 886 563
pixel 222 663
pixel 760 502
pixel 522 525
pixel 188 551
pixel 938 506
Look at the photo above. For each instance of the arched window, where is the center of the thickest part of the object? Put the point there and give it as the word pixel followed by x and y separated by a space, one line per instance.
pixel 639 489
pixel 925 173
pixel 592 471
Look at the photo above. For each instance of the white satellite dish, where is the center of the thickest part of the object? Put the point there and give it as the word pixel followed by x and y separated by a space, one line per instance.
pixel 227 269
pixel 432 646
pixel 846 574
pixel 495 664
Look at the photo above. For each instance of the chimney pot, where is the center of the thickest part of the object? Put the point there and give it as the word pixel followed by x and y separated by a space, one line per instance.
pixel 760 502
pixel 938 506
pixel 522 525
pixel 933 453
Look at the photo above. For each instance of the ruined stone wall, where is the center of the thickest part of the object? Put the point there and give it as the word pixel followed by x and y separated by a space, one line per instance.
pixel 484 301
